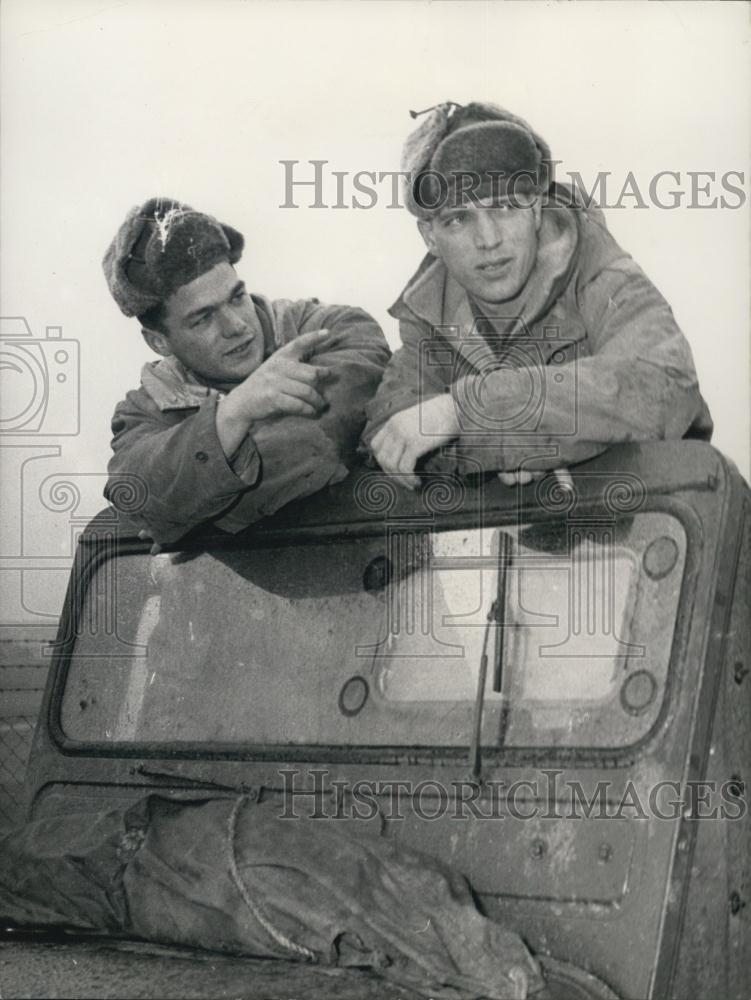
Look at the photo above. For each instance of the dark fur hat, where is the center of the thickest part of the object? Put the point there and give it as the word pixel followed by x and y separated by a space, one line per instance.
pixel 478 138
pixel 162 245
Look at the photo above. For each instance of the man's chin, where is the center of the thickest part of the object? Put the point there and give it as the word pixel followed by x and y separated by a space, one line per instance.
pixel 496 294
pixel 227 377
pixel 240 371
pixel 494 290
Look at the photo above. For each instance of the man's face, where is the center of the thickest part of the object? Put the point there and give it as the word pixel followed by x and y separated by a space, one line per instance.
pixel 212 327
pixel 489 247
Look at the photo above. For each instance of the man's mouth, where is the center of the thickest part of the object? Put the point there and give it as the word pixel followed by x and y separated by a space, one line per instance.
pixel 238 351
pixel 493 267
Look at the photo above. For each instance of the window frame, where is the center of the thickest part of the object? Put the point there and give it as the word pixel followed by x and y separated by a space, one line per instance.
pixel 96 549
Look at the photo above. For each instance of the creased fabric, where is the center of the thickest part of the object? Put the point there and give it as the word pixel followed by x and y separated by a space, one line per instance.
pixel 231 875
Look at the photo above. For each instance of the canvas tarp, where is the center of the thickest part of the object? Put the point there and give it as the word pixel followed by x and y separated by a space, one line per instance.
pixel 232 875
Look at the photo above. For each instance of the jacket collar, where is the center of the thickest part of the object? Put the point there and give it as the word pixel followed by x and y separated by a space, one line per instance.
pixel 172 386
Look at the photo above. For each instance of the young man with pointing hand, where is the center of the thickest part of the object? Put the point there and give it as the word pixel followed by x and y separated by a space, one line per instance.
pixel 253 403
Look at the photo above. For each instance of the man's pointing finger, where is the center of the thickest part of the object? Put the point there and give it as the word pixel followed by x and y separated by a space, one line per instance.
pixel 305 345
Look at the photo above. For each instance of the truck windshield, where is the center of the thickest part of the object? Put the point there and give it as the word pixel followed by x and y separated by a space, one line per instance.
pixel 377 641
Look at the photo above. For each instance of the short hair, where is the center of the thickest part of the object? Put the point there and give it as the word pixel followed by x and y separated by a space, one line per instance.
pixel 154 318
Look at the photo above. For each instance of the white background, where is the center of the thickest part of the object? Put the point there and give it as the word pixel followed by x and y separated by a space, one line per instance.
pixel 104 105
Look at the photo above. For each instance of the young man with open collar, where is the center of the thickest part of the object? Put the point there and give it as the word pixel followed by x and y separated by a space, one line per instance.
pixel 530 340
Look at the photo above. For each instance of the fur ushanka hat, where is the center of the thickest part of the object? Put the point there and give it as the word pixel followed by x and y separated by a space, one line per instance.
pixel 456 143
pixel 160 246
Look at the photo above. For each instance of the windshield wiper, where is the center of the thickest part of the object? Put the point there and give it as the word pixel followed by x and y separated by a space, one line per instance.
pixel 189 781
pixel 496 619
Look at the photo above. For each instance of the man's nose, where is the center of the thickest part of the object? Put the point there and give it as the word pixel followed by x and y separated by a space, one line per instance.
pixel 488 232
pixel 232 324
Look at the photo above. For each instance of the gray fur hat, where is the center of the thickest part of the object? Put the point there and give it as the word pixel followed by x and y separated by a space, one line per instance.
pixel 481 138
pixel 160 246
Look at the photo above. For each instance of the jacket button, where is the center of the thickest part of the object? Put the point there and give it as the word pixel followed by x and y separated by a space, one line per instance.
pixel 201 456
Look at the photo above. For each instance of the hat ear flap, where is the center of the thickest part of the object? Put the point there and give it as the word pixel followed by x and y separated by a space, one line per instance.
pixel 236 242
pixel 130 299
pixel 419 148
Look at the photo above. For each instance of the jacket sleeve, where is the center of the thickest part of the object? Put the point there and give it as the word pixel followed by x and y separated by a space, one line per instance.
pixel 301 455
pixel 639 383
pixel 169 472
pixel 356 356
pixel 411 378
pixel 408 379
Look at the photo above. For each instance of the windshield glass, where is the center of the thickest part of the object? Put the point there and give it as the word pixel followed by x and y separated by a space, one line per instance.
pixel 377 641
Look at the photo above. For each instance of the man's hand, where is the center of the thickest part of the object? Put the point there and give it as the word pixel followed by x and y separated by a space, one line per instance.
pixel 285 384
pixel 525 476
pixel 146 536
pixel 413 432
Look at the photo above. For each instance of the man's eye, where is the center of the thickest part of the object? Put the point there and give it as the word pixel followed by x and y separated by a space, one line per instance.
pixel 240 295
pixel 455 222
pixel 200 321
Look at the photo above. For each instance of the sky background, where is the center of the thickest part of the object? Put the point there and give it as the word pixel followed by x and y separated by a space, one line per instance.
pixel 105 105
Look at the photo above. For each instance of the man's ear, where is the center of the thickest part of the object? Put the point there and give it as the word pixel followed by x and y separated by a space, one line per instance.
pixel 426 231
pixel 157 341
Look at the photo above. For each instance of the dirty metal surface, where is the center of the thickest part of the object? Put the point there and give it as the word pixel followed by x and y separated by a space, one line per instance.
pixel 94 969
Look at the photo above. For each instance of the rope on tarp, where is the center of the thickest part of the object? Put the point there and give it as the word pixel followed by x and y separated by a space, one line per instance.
pixel 278 936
